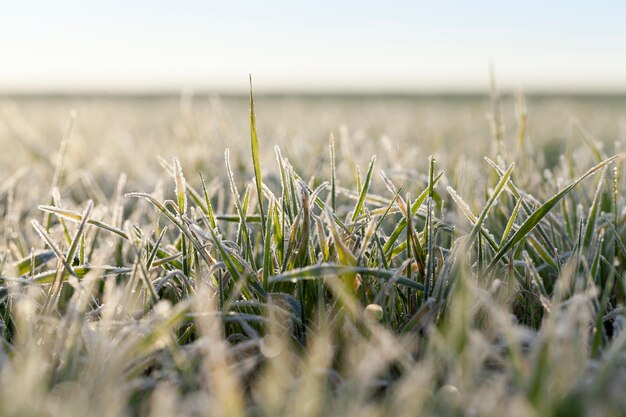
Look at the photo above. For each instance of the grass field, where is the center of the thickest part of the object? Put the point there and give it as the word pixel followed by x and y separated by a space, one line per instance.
pixel 357 256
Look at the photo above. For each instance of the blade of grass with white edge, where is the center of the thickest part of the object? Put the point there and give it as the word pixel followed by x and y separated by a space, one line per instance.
pixel 76 217
pixel 283 184
pixel 543 210
pixel 329 269
pixel 33 261
pixel 209 207
pixel 79 231
pixel 492 199
pixel 181 187
pixel 41 231
pixel 195 195
pixel 58 169
pixel 241 272
pixel 305 229
pixel 430 254
pixel 414 208
pixel 602 309
pixel 234 218
pixel 511 222
pixel 267 248
pixel 318 201
pixel 256 158
pixel 618 239
pixel 528 209
pixel 365 187
pixel 465 209
pixel 593 212
pixel 288 255
pixel 346 257
pixel 181 196
pixel 379 224
pixel 47 277
pixel 234 272
pixel 179 223
pixel 235 194
pixel 413 247
pixel 155 249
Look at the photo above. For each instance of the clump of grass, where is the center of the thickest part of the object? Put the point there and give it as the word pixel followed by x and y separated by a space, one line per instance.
pixel 302 297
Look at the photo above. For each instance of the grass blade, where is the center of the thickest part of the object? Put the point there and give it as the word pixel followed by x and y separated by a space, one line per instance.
pixel 364 189
pixel 329 269
pixel 543 210
pixel 492 199
pixel 593 213
pixel 256 158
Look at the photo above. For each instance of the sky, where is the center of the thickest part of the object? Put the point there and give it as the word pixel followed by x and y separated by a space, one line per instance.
pixel 314 46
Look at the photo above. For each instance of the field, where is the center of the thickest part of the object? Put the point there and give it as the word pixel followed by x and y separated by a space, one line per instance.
pixel 312 256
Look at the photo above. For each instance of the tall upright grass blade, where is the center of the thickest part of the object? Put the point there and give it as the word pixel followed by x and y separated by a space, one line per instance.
pixel 195 195
pixel 209 207
pixel 365 188
pixel 155 249
pixel 256 158
pixel 511 222
pixel 593 213
pixel 492 199
pixel 181 187
pixel 267 248
pixel 71 251
pixel 235 195
pixel 429 279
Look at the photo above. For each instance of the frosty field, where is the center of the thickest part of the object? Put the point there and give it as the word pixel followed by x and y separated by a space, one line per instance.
pixel 168 255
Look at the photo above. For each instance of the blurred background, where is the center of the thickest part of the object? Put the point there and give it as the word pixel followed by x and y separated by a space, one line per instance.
pixel 409 78
pixel 401 47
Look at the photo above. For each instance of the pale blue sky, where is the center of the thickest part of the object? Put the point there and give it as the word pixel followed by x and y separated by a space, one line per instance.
pixel 402 46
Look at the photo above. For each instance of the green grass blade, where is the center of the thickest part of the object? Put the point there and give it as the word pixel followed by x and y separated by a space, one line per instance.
pixel 510 222
pixel 492 199
pixel 79 232
pixel 155 249
pixel 256 158
pixel 329 269
pixel 76 217
pixel 267 248
pixel 195 195
pixel 181 187
pixel 33 261
pixel 402 224
pixel 178 222
pixel 542 211
pixel 465 209
pixel 209 207
pixel 364 189
pixel 593 213
pixel 47 277
pixel 41 231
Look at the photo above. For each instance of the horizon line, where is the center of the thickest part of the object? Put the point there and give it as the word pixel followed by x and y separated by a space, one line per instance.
pixel 173 92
